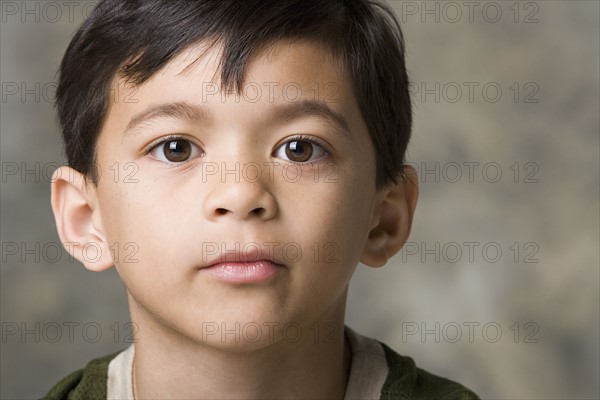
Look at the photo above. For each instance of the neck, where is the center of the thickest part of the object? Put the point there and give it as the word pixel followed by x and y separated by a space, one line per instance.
pixel 315 364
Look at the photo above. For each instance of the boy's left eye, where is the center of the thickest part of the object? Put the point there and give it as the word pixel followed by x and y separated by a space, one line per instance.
pixel 175 150
pixel 301 151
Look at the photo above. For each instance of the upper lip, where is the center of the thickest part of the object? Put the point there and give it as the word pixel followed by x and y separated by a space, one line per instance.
pixel 252 254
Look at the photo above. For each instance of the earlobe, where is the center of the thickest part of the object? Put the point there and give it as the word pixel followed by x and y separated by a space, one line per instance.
pixel 77 219
pixel 392 220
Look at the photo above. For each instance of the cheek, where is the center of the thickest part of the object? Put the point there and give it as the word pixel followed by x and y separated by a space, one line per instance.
pixel 145 234
pixel 331 219
pixel 123 211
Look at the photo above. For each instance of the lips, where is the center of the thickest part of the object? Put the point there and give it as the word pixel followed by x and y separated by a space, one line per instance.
pixel 243 272
pixel 252 264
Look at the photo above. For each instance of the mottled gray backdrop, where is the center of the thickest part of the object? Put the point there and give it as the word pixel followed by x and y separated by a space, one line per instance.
pixel 499 285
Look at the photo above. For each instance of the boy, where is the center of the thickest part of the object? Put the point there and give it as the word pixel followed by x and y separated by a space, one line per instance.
pixel 235 160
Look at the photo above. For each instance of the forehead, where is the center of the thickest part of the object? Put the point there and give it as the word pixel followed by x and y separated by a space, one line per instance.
pixel 284 72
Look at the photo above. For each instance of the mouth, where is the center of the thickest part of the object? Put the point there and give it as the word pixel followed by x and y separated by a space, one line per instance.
pixel 244 272
pixel 255 265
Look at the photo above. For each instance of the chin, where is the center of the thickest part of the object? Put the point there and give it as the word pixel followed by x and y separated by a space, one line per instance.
pixel 246 333
pixel 230 345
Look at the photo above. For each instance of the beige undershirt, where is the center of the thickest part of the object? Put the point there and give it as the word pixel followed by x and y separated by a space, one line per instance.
pixel 367 373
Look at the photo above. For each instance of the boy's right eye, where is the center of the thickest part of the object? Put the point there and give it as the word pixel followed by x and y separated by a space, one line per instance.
pixel 175 150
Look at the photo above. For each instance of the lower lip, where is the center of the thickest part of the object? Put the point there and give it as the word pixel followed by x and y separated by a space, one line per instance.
pixel 243 272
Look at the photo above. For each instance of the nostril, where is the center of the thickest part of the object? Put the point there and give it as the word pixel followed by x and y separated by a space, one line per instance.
pixel 221 211
pixel 259 211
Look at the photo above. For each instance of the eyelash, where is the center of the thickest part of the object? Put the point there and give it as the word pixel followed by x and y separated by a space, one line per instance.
pixel 149 148
pixel 164 140
pixel 312 140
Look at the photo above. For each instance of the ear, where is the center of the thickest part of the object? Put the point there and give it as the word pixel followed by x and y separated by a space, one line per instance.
pixel 77 216
pixel 392 219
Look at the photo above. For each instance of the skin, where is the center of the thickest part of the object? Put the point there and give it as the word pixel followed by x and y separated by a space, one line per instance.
pixel 163 215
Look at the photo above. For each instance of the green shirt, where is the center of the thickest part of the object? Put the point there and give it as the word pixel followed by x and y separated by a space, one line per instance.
pixel 403 381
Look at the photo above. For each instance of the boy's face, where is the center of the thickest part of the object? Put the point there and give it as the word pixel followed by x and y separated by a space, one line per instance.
pixel 226 182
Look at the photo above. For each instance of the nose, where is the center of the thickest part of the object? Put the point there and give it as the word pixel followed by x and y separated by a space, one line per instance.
pixel 241 200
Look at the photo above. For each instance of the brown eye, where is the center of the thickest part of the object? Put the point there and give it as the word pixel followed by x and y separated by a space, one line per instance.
pixel 175 150
pixel 299 150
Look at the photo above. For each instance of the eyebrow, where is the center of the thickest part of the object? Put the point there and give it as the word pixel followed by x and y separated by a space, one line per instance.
pixel 310 108
pixel 179 110
pixel 282 113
